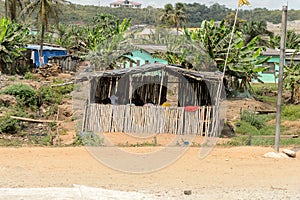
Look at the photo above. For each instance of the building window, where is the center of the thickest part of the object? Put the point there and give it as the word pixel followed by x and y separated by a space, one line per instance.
pixel 271 68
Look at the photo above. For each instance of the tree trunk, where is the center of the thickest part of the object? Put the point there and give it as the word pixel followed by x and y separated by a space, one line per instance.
pixel 6 9
pixel 41 46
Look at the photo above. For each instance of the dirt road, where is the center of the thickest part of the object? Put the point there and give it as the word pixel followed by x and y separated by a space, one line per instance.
pixel 226 173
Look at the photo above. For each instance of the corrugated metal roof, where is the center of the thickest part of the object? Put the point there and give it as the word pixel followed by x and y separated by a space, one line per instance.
pixel 198 75
pixel 152 48
pixel 49 48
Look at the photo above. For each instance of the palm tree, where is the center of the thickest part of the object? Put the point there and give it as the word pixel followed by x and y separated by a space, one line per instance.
pixel 12 7
pixel 45 9
pixel 174 16
pixel 167 14
pixel 179 15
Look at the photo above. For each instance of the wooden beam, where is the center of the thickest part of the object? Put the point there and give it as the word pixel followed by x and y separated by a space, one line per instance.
pixel 33 120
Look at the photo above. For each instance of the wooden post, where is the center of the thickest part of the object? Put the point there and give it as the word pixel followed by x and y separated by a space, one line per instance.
pixel 280 81
pixel 110 87
pixel 130 89
pixel 57 127
pixel 161 85
pixel 85 114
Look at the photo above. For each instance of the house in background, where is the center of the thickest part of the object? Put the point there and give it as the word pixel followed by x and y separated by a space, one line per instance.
pixel 125 4
pixel 144 55
pixel 270 75
pixel 48 52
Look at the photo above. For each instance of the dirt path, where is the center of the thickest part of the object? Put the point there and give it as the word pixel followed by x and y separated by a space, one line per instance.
pixel 227 173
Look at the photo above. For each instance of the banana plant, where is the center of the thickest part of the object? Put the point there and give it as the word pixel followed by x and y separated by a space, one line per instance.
pixel 108 51
pixel 291 79
pixel 13 37
pixel 243 60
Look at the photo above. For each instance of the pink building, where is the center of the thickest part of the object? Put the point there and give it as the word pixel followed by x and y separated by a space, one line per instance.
pixel 126 3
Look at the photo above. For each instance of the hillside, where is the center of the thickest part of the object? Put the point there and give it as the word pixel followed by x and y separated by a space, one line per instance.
pixel 77 14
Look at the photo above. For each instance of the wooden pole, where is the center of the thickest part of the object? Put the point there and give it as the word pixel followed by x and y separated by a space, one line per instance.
pixel 280 81
pixel 161 85
pixel 130 89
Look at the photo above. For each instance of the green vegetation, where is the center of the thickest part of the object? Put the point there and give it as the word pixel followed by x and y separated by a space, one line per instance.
pixel 255 129
pixel 28 76
pixel 291 112
pixel 98 33
pixel 13 37
pixel 88 139
pixel 9 125
pixel 32 103
pixel 24 93
pixel 260 141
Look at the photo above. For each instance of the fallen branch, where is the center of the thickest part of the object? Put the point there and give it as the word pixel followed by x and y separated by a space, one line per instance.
pixel 34 120
pixel 62 84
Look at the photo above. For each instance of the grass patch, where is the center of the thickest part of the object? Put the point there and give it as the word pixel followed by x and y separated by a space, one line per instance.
pixel 245 128
pixel 291 112
pixel 270 141
pixel 258 88
pixel 245 140
pixel 267 99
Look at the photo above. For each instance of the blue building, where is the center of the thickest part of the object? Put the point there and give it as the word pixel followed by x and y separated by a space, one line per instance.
pixel 48 52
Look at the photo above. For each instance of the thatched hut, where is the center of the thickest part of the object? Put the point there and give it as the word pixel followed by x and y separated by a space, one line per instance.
pixel 193 96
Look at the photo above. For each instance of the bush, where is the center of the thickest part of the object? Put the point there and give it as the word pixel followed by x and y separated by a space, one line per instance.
pixel 88 139
pixel 28 76
pixel 64 89
pixel 245 128
pixel 24 93
pixel 48 96
pixel 252 119
pixel 9 125
pixel 291 112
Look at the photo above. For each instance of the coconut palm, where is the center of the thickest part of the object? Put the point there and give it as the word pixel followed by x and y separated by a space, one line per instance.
pixel 46 10
pixel 174 16
pixel 13 7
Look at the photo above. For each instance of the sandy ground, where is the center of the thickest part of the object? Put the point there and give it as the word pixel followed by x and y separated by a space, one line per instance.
pixel 226 173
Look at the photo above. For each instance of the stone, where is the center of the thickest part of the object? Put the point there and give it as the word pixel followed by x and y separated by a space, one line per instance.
pixel 187 192
pixel 275 155
pixel 289 152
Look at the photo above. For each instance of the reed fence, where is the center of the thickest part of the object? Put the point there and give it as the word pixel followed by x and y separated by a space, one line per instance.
pixel 150 120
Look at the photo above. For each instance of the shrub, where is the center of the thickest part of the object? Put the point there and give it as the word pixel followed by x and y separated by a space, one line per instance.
pixel 9 125
pixel 28 76
pixel 64 89
pixel 245 128
pixel 24 93
pixel 252 119
pixel 47 95
pixel 88 139
pixel 291 112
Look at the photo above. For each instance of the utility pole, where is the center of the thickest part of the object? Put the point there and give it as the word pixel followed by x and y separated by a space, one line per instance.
pixel 281 65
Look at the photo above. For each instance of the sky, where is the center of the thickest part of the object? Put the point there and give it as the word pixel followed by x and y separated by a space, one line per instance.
pixel 269 4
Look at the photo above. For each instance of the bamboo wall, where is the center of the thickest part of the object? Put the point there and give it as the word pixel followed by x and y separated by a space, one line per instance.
pixel 153 120
pixel 67 64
